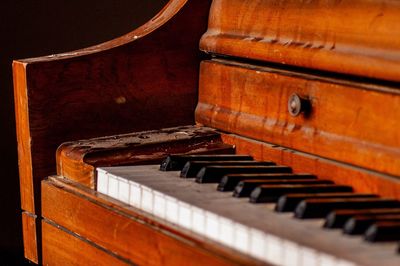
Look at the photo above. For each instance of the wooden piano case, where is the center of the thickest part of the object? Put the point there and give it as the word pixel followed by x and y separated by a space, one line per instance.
pixel 256 55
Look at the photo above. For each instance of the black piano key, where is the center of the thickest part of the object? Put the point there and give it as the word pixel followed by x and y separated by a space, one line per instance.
pixel 177 162
pixel 191 168
pixel 271 193
pixel 318 208
pixel 383 231
pixel 357 225
pixel 337 218
pixel 245 187
pixel 288 203
pixel 229 182
pixel 214 174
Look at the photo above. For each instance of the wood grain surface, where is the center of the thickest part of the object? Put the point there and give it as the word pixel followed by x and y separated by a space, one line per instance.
pixel 349 122
pixel 30 237
pixel 126 231
pixel 357 37
pixel 78 160
pixel 63 248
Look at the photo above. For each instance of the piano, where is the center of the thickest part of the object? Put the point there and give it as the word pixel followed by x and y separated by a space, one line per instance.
pixel 240 132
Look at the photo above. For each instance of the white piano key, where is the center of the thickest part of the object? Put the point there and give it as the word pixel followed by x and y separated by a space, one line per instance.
pixel 135 196
pixel 185 215
pixel 274 249
pixel 327 260
pixel 242 237
pixel 198 221
pixel 147 199
pixel 291 255
pixel 102 181
pixel 171 211
pixel 112 186
pixel 159 205
pixel 257 244
pixel 309 257
pixel 123 190
pixel 212 226
pixel 226 231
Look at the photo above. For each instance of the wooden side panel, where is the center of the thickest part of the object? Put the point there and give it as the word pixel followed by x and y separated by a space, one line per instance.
pixel 125 231
pixel 130 84
pixel 358 37
pixel 30 237
pixel 62 248
pixel 78 160
pixel 361 180
pixel 349 122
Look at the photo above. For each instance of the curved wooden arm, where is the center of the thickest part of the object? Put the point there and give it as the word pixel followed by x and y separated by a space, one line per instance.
pixel 144 80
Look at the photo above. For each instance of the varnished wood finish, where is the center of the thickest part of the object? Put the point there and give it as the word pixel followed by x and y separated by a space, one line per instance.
pixel 62 248
pixel 103 91
pixel 132 83
pixel 349 122
pixel 126 231
pixel 30 238
pixel 78 160
pixel 353 37
pixel 361 180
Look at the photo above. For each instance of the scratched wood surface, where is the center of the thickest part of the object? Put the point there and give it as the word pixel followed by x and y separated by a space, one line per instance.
pixel 349 122
pixel 126 231
pixel 129 84
pixel 358 37
pixel 78 160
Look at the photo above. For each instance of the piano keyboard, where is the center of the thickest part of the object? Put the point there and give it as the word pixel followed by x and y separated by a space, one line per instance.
pixel 251 207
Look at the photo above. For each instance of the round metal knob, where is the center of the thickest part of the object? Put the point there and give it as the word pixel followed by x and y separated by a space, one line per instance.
pixel 297 105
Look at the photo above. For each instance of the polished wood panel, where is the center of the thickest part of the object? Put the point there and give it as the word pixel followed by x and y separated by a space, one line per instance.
pixel 30 238
pixel 108 89
pixel 78 160
pixel 62 248
pixel 127 231
pixel 353 36
pixel 361 180
pixel 349 122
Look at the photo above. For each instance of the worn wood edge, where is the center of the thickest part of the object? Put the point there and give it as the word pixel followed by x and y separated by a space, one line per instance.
pixel 229 116
pixel 197 243
pixel 162 17
pixel 63 247
pixel 362 180
pixel 77 160
pixel 302 42
pixel 23 137
pixel 29 235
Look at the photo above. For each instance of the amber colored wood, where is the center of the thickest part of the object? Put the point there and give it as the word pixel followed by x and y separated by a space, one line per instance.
pixel 78 160
pixel 361 180
pixel 358 37
pixel 349 122
pixel 123 230
pixel 62 248
pixel 29 236
pixel 130 84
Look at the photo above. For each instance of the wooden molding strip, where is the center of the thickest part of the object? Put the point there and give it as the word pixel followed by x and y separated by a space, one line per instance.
pixel 358 37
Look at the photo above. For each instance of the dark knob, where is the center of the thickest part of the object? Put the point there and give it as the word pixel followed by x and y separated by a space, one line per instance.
pixel 297 105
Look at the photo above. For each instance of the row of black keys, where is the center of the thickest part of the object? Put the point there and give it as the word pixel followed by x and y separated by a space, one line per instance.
pixel 308 197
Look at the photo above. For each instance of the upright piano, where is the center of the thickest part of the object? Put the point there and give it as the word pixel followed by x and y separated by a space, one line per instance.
pixel 222 132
